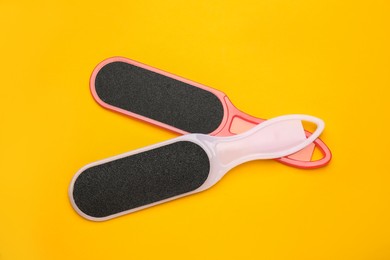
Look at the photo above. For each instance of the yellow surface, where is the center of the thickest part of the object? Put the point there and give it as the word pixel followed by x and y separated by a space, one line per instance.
pixel 330 59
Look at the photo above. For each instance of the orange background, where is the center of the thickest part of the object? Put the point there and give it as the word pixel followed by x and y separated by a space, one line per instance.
pixel 330 59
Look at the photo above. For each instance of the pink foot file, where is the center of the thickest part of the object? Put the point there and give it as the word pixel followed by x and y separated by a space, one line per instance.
pixel 181 166
pixel 180 105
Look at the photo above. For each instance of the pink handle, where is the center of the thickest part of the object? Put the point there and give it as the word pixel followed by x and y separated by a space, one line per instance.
pixel 237 122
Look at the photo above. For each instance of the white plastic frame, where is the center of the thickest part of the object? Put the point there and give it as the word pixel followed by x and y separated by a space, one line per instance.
pixel 275 138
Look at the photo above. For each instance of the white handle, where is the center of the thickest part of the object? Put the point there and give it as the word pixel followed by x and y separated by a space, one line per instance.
pixel 275 138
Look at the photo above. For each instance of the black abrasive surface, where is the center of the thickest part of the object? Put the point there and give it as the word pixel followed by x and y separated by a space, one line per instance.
pixel 159 97
pixel 141 179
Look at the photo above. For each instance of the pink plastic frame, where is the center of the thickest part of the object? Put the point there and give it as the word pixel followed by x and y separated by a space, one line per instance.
pixel 230 113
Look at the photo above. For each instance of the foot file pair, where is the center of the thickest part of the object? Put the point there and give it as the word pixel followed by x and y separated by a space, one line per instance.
pixel 181 166
pixel 180 105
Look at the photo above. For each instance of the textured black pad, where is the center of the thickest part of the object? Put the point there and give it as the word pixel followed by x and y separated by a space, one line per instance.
pixel 158 97
pixel 141 179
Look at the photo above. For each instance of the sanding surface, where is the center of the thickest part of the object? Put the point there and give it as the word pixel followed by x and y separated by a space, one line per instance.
pixel 141 179
pixel 159 97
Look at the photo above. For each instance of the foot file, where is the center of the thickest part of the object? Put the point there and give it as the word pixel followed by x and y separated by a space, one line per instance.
pixel 181 166
pixel 178 104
